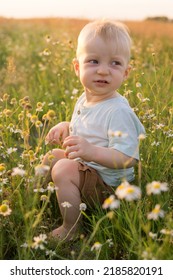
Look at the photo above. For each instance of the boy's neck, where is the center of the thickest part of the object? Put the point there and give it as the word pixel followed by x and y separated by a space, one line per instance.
pixel 92 100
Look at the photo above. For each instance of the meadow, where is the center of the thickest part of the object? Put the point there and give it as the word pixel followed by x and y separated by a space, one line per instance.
pixel 38 88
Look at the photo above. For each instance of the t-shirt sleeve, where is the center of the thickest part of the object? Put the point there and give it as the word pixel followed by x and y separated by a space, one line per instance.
pixel 124 129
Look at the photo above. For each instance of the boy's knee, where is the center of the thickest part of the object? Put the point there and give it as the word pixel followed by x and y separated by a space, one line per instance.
pixel 63 169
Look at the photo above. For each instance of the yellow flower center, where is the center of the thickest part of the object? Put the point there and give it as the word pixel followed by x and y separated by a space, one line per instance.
pixel 156 210
pixel 3 208
pixel 156 185
pixel 130 190
pixel 2 167
pixel 121 187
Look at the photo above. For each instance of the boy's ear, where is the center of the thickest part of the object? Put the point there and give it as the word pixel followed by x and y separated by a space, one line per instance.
pixel 127 71
pixel 76 66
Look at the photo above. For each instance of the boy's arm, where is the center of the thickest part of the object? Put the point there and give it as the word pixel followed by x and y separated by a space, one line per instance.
pixel 77 146
pixel 112 158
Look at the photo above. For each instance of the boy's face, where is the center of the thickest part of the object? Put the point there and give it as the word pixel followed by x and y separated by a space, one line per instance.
pixel 100 68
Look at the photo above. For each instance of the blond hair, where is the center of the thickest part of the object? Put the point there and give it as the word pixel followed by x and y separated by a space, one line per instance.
pixel 109 31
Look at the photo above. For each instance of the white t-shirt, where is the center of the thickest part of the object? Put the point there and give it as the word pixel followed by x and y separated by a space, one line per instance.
pixel 109 123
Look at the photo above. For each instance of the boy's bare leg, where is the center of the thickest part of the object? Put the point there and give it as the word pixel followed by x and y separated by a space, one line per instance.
pixel 65 176
pixel 50 159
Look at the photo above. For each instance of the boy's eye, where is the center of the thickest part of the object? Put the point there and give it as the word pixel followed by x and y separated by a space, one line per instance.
pixel 93 61
pixel 115 62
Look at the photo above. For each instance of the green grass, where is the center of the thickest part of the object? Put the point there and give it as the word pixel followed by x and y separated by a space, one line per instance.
pixel 39 89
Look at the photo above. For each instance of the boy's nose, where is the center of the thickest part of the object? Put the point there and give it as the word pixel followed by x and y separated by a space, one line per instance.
pixel 103 69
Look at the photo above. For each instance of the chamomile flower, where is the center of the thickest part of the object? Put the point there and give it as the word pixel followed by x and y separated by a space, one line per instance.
pixel 5 210
pixel 156 187
pixel 128 192
pixel 39 241
pixel 18 171
pixel 11 150
pixel 66 204
pixel 156 213
pixel 46 52
pixel 44 197
pixel 152 235
pixel 138 85
pixel 167 232
pixel 51 187
pixel 96 246
pixel 141 136
pixel 41 169
pixel 111 202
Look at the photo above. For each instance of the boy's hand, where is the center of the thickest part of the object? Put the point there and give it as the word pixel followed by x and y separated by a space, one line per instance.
pixel 58 133
pixel 77 146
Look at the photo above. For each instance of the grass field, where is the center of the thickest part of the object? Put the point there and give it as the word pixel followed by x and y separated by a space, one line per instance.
pixel 39 89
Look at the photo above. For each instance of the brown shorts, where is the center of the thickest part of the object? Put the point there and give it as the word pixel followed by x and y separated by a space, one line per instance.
pixel 92 187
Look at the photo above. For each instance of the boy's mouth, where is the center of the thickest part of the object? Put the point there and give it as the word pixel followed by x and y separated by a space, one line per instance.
pixel 102 81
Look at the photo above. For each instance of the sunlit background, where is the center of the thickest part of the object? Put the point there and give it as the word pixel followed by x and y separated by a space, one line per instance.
pixel 117 9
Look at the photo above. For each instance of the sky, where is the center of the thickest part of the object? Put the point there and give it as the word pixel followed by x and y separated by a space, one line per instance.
pixel 91 9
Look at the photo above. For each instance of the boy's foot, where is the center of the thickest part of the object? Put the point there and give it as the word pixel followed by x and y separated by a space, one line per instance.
pixel 62 233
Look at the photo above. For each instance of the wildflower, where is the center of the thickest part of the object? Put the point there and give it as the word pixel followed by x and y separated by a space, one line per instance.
pixel 167 231
pixel 13 101
pixel 51 115
pixel 128 192
pixel 155 143
pixel 2 168
pixel 11 150
pixel 75 91
pixel 40 106
pixel 156 187
pixel 5 210
pixel 24 245
pixel 3 181
pixel 97 245
pixel 66 204
pixel 141 136
pixel 18 171
pixel 5 96
pixel 159 126
pixel 33 118
pixel 152 235
pixel 156 213
pixel 141 98
pixel 171 149
pixel 109 242
pixel 111 202
pixel 38 124
pixel 46 52
pixel 82 207
pixel 50 253
pixel 138 85
pixel 51 187
pixel 44 197
pixel 41 169
pixel 39 241
pixel 21 116
pixel 7 112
